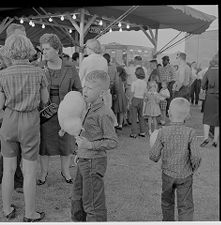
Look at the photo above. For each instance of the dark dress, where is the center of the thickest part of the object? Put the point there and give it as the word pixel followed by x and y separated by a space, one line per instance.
pixel 210 82
pixel 60 83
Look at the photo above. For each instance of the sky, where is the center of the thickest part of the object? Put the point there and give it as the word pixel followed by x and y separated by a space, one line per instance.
pixel 164 35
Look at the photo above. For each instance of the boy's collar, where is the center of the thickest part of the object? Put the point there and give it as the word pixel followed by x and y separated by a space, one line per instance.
pixel 96 104
pixel 20 62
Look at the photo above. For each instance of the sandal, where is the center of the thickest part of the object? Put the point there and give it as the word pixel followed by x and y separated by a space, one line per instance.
pixel 11 215
pixel 69 181
pixel 133 135
pixel 41 182
pixel 42 215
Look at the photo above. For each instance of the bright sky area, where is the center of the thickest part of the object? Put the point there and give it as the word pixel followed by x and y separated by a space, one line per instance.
pixel 164 36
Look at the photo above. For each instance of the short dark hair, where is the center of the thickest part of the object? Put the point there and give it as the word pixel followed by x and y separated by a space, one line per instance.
pixel 75 56
pixel 140 74
pixel 139 58
pixel 166 57
pixel 107 57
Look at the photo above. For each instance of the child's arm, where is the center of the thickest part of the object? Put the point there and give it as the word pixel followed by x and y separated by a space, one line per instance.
pixel 109 140
pixel 195 158
pixel 2 100
pixel 155 151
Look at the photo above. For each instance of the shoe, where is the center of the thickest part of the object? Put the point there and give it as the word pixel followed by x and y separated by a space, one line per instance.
pixel 142 134
pixel 118 127
pixel 42 215
pixel 214 144
pixel 69 181
pixel 133 135
pixel 204 143
pixel 41 182
pixel 11 215
pixel 19 190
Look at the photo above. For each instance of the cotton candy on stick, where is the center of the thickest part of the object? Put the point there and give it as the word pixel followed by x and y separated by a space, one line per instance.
pixel 153 137
pixel 70 112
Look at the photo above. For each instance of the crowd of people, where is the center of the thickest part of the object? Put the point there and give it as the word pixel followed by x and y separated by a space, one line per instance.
pixel 116 96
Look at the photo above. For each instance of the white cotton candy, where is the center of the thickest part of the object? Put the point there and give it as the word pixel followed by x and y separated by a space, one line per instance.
pixel 70 112
pixel 73 126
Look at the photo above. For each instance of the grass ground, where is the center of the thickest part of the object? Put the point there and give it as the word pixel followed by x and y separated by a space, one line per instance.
pixel 132 183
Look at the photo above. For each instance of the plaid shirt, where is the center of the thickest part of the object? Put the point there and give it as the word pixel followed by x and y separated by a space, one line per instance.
pixel 178 146
pixel 21 84
pixel 167 73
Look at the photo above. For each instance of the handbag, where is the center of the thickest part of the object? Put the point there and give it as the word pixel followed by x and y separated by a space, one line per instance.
pixel 48 112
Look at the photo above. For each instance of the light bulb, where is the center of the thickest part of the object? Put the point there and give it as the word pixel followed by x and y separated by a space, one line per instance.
pixel 30 23
pixel 74 16
pixel 120 30
pixel 70 31
pixel 119 24
pixel 33 24
pixel 100 22
pixel 62 18
pixel 43 26
pixel 50 19
pixel 128 26
pixel 21 20
pixel 110 30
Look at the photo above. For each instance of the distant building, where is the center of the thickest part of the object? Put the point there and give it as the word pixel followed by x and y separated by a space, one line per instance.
pixel 122 54
pixel 201 48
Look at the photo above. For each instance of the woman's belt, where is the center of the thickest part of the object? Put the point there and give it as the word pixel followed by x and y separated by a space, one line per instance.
pixel 54 92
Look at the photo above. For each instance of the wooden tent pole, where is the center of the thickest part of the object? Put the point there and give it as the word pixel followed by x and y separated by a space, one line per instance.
pixel 156 42
pixel 5 23
pixel 81 36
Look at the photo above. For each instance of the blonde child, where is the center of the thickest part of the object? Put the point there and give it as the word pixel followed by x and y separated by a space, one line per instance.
pixel 152 108
pixel 165 94
pixel 88 196
pixel 177 145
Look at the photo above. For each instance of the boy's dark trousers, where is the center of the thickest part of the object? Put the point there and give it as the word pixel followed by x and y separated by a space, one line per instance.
pixel 136 109
pixel 195 89
pixel 184 198
pixel 88 199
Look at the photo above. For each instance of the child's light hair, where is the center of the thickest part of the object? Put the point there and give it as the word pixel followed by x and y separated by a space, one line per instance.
pixel 19 47
pixel 99 76
pixel 152 84
pixel 179 109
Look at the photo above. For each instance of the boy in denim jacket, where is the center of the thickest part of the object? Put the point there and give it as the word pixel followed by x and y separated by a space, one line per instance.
pixel 98 135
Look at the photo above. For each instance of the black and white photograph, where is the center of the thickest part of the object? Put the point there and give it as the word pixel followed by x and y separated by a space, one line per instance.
pixel 109 113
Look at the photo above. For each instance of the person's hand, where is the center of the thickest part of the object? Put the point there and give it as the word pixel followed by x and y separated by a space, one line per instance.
pixel 83 143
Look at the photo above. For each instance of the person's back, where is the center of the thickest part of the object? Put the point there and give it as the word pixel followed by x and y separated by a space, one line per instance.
pixel 177 146
pixel 139 87
pixel 22 86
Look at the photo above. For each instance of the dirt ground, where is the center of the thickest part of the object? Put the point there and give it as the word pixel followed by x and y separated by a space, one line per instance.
pixel 132 182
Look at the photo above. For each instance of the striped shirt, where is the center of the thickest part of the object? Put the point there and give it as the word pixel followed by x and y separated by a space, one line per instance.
pixel 21 84
pixel 178 146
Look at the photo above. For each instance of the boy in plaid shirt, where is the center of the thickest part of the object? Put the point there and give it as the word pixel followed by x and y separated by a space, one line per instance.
pixel 180 159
